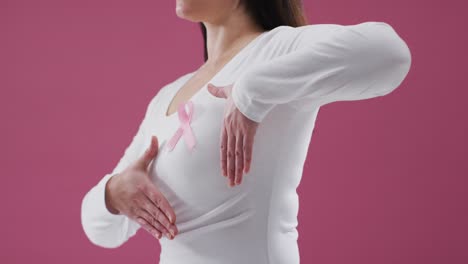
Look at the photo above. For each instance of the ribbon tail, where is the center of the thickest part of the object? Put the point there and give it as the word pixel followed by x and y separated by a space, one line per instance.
pixel 189 137
pixel 175 138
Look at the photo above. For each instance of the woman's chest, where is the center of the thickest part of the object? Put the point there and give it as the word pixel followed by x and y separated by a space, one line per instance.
pixel 188 166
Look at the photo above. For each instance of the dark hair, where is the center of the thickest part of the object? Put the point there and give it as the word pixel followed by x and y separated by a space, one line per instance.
pixel 269 14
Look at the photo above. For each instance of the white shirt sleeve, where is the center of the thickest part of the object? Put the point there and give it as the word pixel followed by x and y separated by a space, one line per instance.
pixel 352 62
pixel 102 227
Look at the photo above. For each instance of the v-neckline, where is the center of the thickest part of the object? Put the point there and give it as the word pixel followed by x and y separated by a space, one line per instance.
pixel 190 75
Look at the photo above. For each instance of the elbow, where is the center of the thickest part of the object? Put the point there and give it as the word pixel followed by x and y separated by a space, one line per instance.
pixel 389 58
pixel 398 51
pixel 94 228
pixel 399 67
pixel 98 239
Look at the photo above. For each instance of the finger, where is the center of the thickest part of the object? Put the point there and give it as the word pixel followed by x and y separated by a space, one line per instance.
pixel 149 227
pixel 167 216
pixel 216 91
pixel 158 219
pixel 231 147
pixel 146 220
pixel 150 153
pixel 248 149
pixel 223 151
pixel 239 158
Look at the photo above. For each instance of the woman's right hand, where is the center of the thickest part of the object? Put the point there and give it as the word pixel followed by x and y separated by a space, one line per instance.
pixel 133 194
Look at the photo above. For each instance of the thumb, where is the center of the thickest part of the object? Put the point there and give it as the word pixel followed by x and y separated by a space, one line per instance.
pixel 150 153
pixel 216 91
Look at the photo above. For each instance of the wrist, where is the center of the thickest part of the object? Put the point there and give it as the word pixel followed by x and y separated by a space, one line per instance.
pixel 108 198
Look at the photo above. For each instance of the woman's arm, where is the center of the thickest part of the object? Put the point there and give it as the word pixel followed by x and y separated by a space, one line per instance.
pixel 102 227
pixel 352 62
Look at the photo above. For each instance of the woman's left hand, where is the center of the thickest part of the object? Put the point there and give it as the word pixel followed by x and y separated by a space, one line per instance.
pixel 237 135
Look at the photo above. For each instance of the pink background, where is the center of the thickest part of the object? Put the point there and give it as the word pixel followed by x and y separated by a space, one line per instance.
pixel 385 179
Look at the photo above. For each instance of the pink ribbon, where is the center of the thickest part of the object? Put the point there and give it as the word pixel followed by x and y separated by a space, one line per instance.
pixel 184 128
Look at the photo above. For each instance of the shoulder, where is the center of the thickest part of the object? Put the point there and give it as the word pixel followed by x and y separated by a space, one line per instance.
pixel 284 39
pixel 166 89
pixel 289 37
pixel 284 31
pixel 172 84
pixel 169 86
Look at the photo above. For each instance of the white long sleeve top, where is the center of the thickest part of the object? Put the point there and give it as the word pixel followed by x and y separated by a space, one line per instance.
pixel 281 79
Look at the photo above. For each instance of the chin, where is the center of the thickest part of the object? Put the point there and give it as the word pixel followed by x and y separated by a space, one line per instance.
pixel 184 11
pixel 186 16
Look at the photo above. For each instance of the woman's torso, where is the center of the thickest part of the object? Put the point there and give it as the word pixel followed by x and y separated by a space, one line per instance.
pixel 254 222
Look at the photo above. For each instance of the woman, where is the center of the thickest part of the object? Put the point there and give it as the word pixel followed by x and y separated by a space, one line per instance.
pixel 266 73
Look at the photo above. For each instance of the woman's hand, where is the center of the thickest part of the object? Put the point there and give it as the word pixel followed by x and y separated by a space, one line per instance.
pixel 133 194
pixel 237 137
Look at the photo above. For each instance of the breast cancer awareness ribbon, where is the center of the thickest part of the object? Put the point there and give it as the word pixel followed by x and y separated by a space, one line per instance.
pixel 184 128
